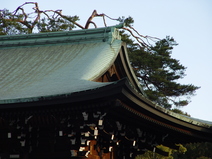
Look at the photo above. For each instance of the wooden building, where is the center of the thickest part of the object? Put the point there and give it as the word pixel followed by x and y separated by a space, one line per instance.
pixel 74 95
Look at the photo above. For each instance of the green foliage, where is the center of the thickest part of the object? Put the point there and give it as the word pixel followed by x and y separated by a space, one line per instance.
pixel 203 157
pixel 178 111
pixel 152 155
pixel 56 24
pixel 182 149
pixel 22 23
pixel 159 73
pixel 9 24
pixel 128 21
pixel 196 151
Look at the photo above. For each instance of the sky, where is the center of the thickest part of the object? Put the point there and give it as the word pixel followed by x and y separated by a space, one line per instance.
pixel 189 22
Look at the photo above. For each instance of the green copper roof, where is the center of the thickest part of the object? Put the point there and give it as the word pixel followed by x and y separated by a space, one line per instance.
pixel 50 64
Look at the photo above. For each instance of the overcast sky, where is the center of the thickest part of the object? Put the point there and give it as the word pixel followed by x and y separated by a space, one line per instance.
pixel 188 21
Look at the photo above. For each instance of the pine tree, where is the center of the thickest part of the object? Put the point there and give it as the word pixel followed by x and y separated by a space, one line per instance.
pixel 158 73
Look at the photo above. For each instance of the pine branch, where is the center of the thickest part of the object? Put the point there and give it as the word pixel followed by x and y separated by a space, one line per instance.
pixel 38 13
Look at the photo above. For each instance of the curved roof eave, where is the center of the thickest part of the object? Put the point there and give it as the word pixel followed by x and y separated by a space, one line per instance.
pixel 134 86
pixel 141 102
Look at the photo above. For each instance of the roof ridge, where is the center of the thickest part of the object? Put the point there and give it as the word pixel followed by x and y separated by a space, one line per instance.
pixel 105 34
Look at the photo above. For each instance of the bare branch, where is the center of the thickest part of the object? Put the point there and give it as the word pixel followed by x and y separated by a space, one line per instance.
pixel 150 37
pixel 59 13
pixel 91 22
pixel 24 22
pixel 144 78
pixel 141 41
pixel 104 21
pixel 38 14
pixel 94 14
pixel 22 6
pixel 20 21
pixel 140 38
pixel 111 18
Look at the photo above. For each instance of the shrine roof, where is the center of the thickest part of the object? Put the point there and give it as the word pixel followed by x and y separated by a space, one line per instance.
pixel 46 65
pixel 51 64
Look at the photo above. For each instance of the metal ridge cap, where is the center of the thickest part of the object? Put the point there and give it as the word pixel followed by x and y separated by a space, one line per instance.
pixel 54 40
pixel 106 34
pixel 59 33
